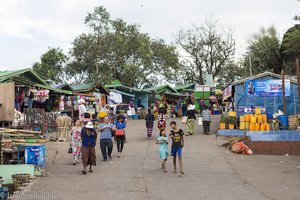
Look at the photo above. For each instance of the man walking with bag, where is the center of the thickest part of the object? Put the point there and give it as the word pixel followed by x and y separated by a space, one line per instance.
pixel 206 118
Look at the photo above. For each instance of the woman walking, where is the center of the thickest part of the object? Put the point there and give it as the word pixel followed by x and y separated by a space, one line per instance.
pixel 75 141
pixel 162 118
pixel 89 136
pixel 149 123
pixel 191 117
pixel 120 135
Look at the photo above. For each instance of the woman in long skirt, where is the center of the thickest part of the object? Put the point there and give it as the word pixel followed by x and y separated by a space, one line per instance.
pixel 75 141
pixel 191 117
pixel 89 137
pixel 149 123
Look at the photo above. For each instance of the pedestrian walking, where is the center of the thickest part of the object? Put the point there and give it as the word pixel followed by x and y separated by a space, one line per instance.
pixel 162 118
pixel 162 140
pixel 75 141
pixel 184 109
pixel 82 109
pixel 120 135
pixel 206 119
pixel 120 115
pixel 176 135
pixel 89 136
pixel 191 117
pixel 111 115
pixel 149 118
pixel 106 133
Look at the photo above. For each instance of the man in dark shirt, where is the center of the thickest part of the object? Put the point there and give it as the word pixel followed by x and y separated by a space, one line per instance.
pixel 177 144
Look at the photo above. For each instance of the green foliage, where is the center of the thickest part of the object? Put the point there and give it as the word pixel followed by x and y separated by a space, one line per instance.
pixel 290 48
pixel 115 49
pixel 263 52
pixel 224 119
pixel 52 65
pixel 231 120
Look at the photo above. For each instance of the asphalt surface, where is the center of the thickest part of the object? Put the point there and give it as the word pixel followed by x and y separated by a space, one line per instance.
pixel 211 172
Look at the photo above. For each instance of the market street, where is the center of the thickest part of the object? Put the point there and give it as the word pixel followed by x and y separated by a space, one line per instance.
pixel 211 172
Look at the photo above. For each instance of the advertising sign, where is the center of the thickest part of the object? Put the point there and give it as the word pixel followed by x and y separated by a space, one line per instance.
pixel 267 88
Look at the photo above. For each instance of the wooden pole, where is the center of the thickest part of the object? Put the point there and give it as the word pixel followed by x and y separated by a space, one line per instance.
pixel 283 92
pixel 0 149
pixel 298 82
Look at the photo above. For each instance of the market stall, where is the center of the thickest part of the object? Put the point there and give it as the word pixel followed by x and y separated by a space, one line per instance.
pixel 260 117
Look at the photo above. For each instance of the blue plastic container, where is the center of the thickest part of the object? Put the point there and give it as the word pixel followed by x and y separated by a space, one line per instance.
pixel 270 116
pixel 134 116
pixel 3 193
pixel 34 154
pixel 284 122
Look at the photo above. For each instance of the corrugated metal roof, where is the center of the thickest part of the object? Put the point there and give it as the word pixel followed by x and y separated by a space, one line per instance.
pixel 162 89
pixel 262 75
pixel 28 72
pixel 82 86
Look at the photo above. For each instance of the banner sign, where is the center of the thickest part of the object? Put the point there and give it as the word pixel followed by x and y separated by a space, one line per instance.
pixel 227 92
pixel 202 88
pixel 267 88
pixel 249 109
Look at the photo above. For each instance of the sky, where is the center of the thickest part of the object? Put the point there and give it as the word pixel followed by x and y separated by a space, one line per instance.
pixel 29 27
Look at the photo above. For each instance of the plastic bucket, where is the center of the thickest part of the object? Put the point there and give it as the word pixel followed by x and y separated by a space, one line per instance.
pixel 3 193
pixel 284 123
pixel 270 116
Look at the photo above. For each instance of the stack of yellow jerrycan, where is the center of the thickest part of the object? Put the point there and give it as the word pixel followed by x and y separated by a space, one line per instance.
pixel 254 122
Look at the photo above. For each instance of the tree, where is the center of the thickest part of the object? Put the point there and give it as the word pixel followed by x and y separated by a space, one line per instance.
pixel 290 48
pixel 263 52
pixel 208 48
pixel 232 71
pixel 114 49
pixel 52 65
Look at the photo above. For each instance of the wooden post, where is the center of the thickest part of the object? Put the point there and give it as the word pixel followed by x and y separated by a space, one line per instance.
pixel 0 148
pixel 283 92
pixel 298 82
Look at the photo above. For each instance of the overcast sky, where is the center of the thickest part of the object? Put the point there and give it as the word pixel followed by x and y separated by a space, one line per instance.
pixel 29 27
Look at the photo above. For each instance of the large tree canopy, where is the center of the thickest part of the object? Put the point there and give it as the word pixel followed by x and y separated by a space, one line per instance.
pixel 208 48
pixel 114 49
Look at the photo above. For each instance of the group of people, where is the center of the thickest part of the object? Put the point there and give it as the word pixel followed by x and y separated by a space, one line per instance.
pixel 176 135
pixel 84 136
pixel 84 139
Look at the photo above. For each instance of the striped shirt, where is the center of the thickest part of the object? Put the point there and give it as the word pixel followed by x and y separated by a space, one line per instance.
pixel 206 115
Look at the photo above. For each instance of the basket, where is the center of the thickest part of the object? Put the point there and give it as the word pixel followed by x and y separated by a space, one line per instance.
pixel 293 122
pixel 20 179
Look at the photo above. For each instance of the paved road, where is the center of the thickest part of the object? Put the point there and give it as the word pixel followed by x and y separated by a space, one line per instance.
pixel 211 172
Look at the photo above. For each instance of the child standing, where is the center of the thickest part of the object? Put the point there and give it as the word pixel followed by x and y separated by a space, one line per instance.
pixel 162 140
pixel 177 145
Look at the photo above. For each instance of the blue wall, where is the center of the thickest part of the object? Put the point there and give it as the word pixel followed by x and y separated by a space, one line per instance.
pixel 145 98
pixel 272 104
